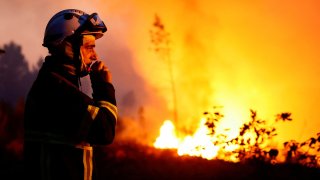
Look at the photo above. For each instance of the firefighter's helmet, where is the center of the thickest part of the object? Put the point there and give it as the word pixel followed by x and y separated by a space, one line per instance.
pixel 72 22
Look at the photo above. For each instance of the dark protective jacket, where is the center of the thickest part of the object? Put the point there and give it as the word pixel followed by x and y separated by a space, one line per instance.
pixel 62 124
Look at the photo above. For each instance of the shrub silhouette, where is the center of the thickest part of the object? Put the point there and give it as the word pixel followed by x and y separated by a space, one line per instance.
pixel 306 153
pixel 254 138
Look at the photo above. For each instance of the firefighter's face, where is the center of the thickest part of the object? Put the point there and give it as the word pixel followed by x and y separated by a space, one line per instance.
pixel 87 50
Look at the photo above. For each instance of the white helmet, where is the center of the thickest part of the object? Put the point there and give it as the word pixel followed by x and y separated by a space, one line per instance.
pixel 72 22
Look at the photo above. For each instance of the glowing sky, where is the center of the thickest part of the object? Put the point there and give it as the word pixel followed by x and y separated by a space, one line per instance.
pixel 239 54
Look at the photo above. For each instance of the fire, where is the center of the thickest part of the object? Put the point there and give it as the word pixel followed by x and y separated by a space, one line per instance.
pixel 212 140
pixel 199 144
pixel 167 138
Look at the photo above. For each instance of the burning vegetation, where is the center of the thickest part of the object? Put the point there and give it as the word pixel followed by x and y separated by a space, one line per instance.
pixel 253 142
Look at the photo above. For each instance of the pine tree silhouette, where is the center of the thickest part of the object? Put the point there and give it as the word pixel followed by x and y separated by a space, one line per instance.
pixel 15 77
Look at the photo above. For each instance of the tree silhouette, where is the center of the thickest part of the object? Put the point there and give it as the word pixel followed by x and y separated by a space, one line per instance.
pixel 15 81
pixel 15 77
pixel 160 40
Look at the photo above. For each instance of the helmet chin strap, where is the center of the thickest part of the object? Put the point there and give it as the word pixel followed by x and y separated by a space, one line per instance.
pixel 77 57
pixel 84 68
pixel 73 52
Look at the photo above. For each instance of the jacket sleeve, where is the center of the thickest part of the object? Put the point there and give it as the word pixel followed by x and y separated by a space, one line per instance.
pixel 58 112
pixel 99 121
pixel 104 113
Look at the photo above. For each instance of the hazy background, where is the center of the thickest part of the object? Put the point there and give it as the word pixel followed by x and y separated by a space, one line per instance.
pixel 245 54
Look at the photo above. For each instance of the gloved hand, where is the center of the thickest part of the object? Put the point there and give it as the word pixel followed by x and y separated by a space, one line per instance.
pixel 100 72
pixel 101 83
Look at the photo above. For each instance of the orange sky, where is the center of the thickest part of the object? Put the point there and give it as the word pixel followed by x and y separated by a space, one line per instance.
pixel 250 54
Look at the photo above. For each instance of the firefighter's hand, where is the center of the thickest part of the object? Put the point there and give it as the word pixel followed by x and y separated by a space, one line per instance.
pixel 101 83
pixel 100 72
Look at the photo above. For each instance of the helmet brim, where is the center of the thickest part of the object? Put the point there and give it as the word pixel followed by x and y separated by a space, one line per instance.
pixel 97 35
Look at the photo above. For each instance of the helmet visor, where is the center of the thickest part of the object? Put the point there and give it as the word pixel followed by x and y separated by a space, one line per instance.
pixel 94 23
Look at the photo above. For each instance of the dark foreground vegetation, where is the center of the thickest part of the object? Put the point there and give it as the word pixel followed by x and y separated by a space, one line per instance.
pixel 133 161
pixel 125 160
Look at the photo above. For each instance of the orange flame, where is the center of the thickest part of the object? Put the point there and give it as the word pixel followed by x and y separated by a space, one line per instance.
pixel 199 144
pixel 167 138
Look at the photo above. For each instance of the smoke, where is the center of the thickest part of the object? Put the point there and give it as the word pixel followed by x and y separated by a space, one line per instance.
pixel 236 54
pixel 239 55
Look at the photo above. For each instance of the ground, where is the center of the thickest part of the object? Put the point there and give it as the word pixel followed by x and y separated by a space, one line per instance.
pixel 133 161
pixel 127 160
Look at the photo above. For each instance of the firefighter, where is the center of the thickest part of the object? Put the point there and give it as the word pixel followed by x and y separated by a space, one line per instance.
pixel 63 124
